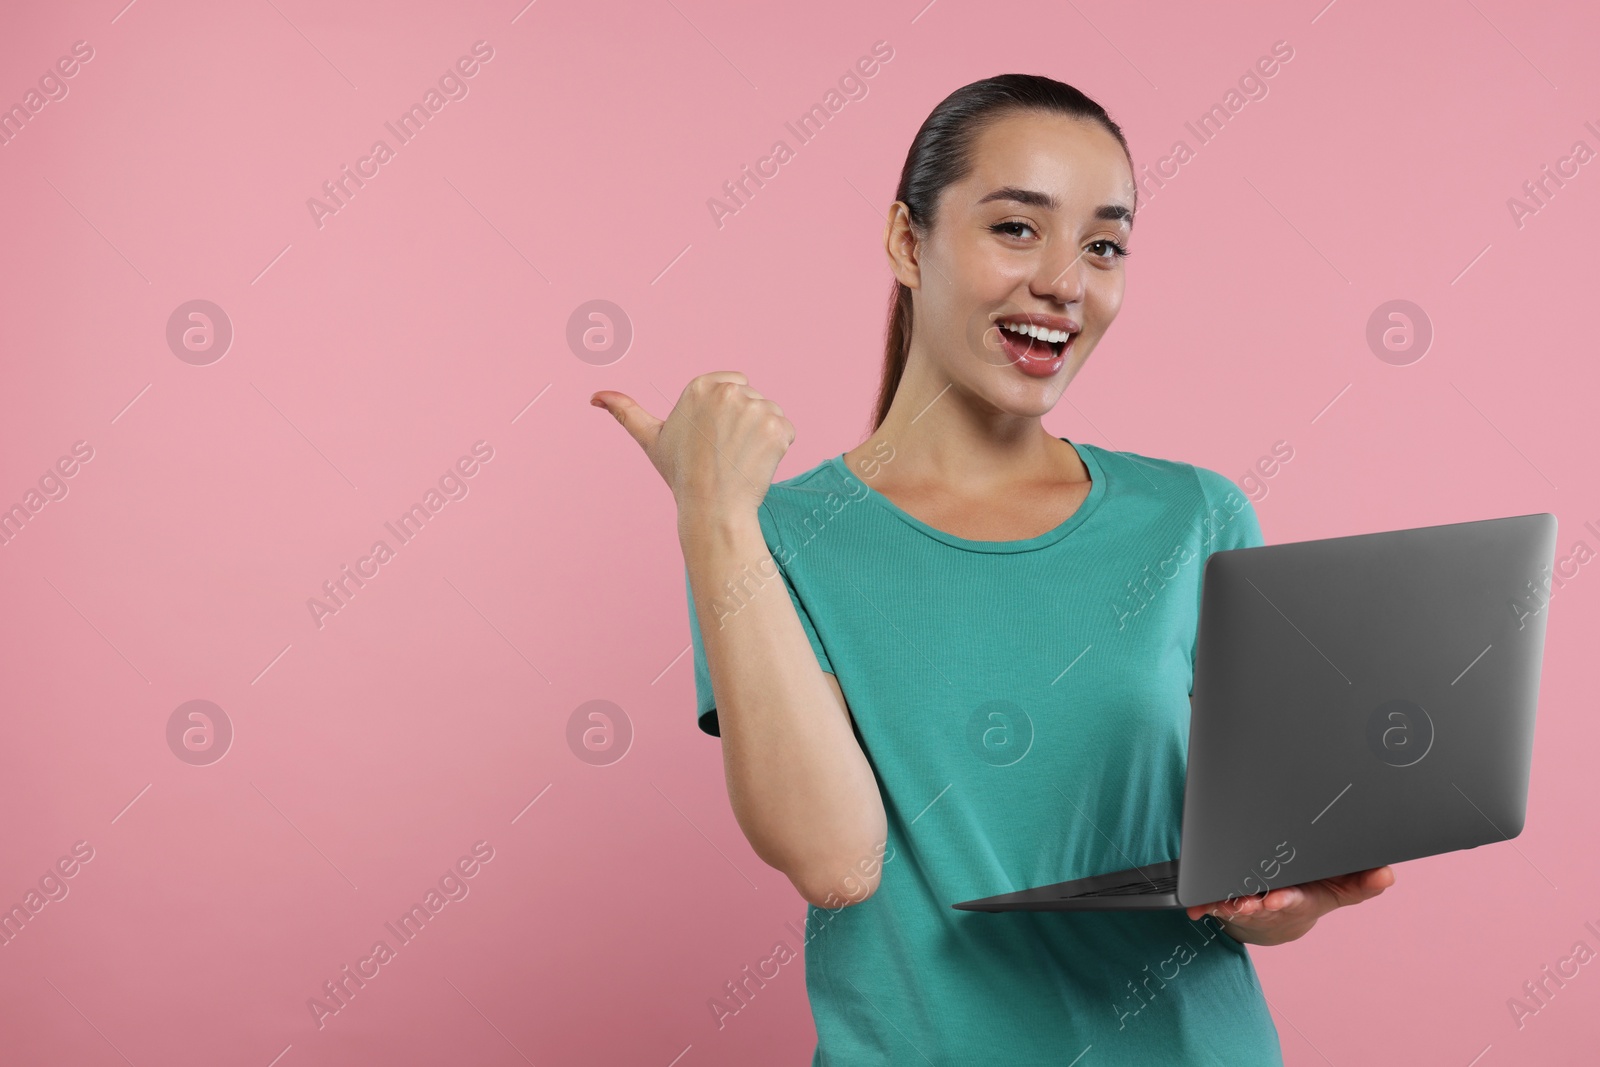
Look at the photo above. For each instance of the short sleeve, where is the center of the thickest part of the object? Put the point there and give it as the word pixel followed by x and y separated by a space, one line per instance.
pixel 1229 521
pixel 705 700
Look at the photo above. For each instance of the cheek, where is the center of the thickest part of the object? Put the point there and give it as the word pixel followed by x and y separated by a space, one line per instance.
pixel 979 269
pixel 1107 300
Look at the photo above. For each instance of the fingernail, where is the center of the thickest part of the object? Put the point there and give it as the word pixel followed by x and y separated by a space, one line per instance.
pixel 597 402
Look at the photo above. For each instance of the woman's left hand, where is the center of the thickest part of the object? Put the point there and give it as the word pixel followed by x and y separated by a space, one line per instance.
pixel 1286 913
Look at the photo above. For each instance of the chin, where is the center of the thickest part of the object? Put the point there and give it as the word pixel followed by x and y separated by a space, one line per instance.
pixel 1034 396
pixel 1030 400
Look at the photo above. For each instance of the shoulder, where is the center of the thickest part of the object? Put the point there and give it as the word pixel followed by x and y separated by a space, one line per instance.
pixel 824 472
pixel 795 505
pixel 1176 483
pixel 1172 479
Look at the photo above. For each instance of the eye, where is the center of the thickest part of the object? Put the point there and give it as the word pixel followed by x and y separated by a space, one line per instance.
pixel 1117 250
pixel 1007 227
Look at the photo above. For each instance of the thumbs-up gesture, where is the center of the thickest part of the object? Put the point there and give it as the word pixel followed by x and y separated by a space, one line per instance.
pixel 717 449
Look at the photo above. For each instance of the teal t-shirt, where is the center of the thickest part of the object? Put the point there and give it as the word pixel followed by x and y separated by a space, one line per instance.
pixel 1024 705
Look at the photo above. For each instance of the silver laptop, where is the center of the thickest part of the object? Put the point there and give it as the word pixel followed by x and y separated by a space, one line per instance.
pixel 1358 701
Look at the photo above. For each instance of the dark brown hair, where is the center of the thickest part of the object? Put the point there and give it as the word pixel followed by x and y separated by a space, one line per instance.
pixel 940 155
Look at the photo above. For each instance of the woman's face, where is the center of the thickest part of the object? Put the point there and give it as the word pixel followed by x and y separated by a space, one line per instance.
pixel 1034 234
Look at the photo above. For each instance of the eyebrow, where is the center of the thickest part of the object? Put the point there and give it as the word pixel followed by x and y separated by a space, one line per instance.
pixel 1033 198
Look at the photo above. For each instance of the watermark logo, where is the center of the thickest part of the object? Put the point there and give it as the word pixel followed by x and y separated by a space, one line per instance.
pixel 453 85
pixel 851 86
pixel 1399 732
pixel 1252 86
pixel 52 888
pixel 599 732
pixel 51 89
pixel 52 486
pixel 741 589
pixel 999 733
pixel 984 338
pixel 1141 996
pixel 599 332
pixel 199 732
pixel 1399 332
pixel 1141 593
pixel 1538 994
pixel 1254 482
pixel 1536 592
pixel 452 485
pixel 1541 190
pixel 199 332
pixel 451 887
pixel 742 989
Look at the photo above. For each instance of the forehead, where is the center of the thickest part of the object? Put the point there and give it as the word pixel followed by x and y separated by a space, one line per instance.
pixel 1077 162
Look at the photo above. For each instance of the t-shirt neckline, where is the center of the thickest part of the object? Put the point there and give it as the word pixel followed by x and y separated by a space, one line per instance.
pixel 1097 491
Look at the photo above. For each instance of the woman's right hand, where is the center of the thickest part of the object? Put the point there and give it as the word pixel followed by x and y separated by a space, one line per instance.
pixel 718 448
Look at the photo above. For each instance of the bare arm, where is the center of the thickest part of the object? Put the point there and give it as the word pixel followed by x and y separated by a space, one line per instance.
pixel 800 786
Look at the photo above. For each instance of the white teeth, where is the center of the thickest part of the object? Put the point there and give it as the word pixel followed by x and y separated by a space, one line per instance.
pixel 1038 332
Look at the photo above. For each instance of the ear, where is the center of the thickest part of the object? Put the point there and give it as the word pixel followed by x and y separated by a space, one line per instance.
pixel 900 242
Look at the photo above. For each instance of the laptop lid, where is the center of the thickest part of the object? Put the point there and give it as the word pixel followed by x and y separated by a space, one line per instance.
pixel 1362 700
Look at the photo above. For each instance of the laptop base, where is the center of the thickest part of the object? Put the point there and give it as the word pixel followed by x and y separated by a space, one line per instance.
pixel 1153 886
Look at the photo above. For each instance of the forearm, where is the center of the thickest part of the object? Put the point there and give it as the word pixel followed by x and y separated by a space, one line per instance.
pixel 799 784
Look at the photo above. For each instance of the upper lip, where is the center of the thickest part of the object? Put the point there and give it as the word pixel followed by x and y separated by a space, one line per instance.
pixel 1048 322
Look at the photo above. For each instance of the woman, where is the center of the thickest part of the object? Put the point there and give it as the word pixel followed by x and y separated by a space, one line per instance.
pixel 977 683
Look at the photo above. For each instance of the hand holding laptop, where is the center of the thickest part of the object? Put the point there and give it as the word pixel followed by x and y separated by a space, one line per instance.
pixel 1290 911
pixel 1337 683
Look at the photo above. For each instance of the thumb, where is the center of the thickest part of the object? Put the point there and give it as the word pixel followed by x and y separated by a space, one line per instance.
pixel 642 426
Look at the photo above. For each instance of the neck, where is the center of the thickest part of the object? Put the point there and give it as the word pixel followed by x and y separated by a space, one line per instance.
pixel 943 434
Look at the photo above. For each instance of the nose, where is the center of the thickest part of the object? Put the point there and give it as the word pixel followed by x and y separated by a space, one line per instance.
pixel 1060 276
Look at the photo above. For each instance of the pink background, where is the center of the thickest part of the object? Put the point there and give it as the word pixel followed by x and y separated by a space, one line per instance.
pixel 431 311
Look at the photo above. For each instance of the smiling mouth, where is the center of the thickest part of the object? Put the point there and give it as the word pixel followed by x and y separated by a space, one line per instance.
pixel 1024 342
pixel 1036 349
